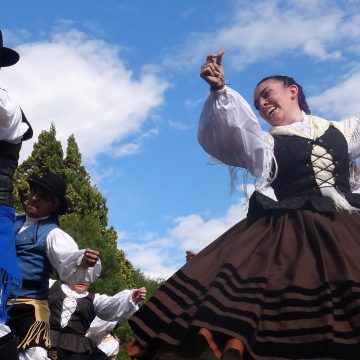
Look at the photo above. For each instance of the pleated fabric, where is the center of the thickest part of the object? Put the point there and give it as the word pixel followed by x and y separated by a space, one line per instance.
pixel 285 286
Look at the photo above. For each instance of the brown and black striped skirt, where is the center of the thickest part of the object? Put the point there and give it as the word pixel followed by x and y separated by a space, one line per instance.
pixel 286 286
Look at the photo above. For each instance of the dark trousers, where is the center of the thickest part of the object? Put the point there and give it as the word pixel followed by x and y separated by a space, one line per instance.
pixel 69 355
pixel 8 347
pixel 98 355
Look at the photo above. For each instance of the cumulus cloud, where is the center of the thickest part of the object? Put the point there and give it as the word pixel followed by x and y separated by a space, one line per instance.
pixel 178 125
pixel 160 257
pixel 135 146
pixel 82 85
pixel 263 30
pixel 339 101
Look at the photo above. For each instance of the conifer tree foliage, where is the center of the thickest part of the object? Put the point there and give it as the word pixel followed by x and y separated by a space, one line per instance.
pixel 84 198
pixel 87 218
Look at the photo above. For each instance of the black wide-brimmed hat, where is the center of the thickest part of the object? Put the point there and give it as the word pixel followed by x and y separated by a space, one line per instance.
pixel 8 56
pixel 55 185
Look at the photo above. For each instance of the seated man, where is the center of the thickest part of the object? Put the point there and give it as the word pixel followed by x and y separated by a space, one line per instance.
pixel 73 308
pixel 42 246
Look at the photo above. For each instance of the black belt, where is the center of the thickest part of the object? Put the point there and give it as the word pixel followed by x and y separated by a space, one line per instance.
pixel 31 285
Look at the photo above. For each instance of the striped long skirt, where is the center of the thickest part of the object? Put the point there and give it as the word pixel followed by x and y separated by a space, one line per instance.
pixel 286 286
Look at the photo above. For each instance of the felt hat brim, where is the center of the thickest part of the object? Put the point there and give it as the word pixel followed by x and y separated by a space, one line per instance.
pixel 8 56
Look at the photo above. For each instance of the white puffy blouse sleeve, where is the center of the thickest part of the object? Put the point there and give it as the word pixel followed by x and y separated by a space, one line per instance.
pixel 230 132
pixel 66 258
pixel 99 328
pixel 115 308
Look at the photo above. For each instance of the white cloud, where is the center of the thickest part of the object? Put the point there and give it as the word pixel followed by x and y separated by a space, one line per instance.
pixel 162 256
pixel 179 125
pixel 127 149
pixel 152 262
pixel 263 30
pixel 135 146
pixel 83 86
pixel 339 101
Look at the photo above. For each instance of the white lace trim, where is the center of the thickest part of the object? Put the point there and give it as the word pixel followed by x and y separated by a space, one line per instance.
pixel 68 308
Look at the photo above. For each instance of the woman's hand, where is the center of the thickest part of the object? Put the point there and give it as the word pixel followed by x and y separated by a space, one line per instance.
pixel 213 71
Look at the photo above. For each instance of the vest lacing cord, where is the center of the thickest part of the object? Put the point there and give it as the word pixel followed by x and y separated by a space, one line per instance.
pixel 328 169
pixel 325 177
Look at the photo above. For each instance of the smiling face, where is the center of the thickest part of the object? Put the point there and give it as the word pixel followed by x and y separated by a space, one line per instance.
pixel 40 203
pixel 276 103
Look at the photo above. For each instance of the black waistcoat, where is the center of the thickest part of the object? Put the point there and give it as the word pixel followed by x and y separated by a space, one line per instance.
pixel 295 185
pixel 72 336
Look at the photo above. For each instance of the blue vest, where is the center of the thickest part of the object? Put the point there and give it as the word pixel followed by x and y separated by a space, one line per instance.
pixel 33 262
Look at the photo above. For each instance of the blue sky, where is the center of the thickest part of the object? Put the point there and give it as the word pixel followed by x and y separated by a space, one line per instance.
pixel 123 77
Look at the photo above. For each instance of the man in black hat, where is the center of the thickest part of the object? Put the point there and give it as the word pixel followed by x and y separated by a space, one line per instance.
pixel 42 246
pixel 14 128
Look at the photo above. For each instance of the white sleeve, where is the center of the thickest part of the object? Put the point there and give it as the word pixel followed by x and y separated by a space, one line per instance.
pixel 65 256
pixel 230 132
pixel 12 127
pixel 115 308
pixel 99 328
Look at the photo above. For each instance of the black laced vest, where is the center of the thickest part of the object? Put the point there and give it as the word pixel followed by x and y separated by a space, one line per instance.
pixel 295 185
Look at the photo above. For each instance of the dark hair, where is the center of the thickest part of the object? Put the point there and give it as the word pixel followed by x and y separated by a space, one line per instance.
pixel 287 81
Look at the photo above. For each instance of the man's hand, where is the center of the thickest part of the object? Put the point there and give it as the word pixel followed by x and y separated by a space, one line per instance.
pixel 91 257
pixel 139 294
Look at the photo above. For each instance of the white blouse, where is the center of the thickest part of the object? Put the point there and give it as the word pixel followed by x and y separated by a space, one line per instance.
pixel 110 308
pixel 230 132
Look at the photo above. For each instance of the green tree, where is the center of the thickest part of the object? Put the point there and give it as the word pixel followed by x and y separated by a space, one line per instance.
pixel 84 198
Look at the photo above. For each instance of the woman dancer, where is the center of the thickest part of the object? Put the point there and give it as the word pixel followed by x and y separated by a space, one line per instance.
pixel 284 283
